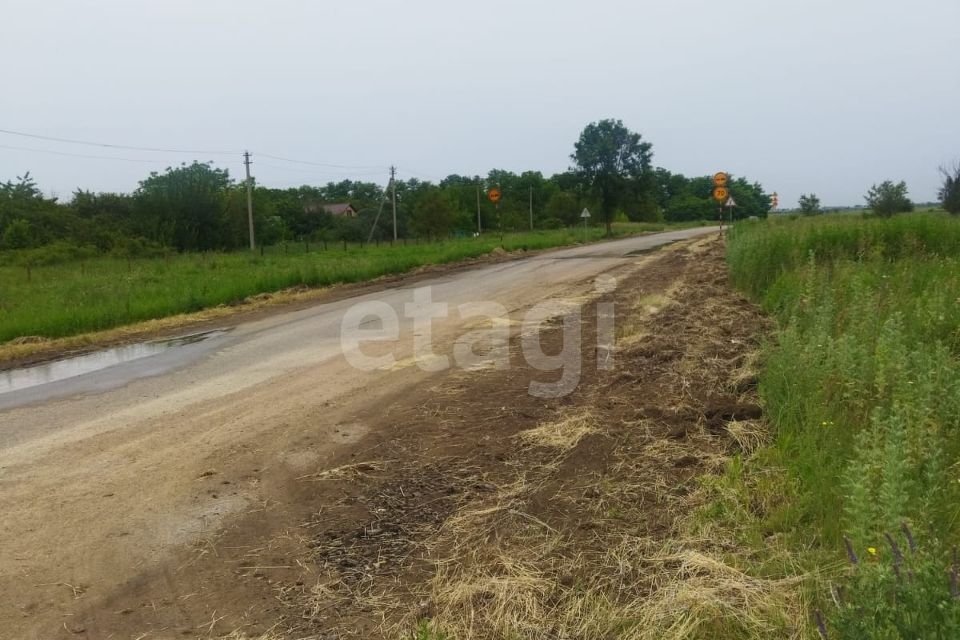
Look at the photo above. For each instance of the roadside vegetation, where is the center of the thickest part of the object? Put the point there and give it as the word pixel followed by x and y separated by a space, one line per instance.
pixel 201 207
pixel 101 292
pixel 858 490
pixel 179 243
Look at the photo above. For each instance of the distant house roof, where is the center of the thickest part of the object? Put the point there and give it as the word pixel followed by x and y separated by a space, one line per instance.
pixel 340 209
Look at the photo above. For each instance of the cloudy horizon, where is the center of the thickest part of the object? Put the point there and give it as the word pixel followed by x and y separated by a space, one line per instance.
pixel 800 96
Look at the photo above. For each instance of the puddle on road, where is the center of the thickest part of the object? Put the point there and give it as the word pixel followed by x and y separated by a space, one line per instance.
pixel 27 377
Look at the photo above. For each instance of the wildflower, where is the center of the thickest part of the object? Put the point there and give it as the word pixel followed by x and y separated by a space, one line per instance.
pixel 954 576
pixel 897 554
pixel 872 551
pixel 909 536
pixel 850 553
pixel 821 625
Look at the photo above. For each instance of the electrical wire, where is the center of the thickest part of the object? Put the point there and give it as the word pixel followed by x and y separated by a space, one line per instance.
pixel 314 172
pixel 82 155
pixel 321 164
pixel 114 146
pixel 369 170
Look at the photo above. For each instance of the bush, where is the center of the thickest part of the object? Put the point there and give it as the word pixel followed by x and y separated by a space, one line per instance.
pixel 809 204
pixel 17 235
pixel 887 198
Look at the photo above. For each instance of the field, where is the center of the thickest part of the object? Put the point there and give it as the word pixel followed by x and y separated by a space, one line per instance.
pixel 70 298
pixel 861 384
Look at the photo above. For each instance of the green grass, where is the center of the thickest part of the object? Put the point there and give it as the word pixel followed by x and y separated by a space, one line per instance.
pixel 758 258
pixel 75 297
pixel 862 387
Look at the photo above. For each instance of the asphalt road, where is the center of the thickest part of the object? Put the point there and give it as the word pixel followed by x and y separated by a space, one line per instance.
pixel 98 472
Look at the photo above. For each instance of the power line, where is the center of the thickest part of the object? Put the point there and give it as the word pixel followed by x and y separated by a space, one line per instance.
pixel 164 150
pixel 112 146
pixel 319 164
pixel 314 172
pixel 82 155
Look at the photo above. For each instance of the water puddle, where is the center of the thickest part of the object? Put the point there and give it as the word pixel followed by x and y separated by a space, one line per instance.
pixel 16 379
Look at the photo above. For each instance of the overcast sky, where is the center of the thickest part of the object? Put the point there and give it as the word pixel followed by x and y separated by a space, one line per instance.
pixel 800 95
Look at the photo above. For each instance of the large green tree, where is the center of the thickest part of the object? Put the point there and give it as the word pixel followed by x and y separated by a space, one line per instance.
pixel 185 207
pixel 611 159
pixel 433 214
pixel 750 197
pixel 562 209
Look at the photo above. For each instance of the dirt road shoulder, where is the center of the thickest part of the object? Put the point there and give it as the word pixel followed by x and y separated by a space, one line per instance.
pixel 477 509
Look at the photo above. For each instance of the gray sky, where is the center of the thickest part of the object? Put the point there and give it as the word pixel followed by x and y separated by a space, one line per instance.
pixel 811 95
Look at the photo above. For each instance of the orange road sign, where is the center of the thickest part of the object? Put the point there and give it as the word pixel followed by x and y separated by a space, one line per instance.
pixel 720 179
pixel 720 193
pixel 494 195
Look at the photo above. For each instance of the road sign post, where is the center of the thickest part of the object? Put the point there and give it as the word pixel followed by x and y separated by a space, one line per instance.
pixel 720 192
pixel 585 215
pixel 730 204
pixel 494 196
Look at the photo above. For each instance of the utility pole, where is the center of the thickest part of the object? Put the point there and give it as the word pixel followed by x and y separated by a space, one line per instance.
pixel 383 201
pixel 479 228
pixel 393 196
pixel 531 207
pixel 246 162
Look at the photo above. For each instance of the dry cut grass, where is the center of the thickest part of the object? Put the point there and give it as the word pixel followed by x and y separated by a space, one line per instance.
pixel 564 433
pixel 506 574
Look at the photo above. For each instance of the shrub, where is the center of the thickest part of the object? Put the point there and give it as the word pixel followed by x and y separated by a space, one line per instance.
pixel 887 198
pixel 17 235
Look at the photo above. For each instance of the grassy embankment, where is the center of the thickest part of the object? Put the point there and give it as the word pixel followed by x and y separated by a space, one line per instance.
pixel 860 486
pixel 82 296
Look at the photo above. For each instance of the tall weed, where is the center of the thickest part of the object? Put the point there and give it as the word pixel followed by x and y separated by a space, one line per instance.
pixel 862 382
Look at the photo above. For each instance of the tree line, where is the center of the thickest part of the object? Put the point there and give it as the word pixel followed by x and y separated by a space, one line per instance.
pixel 889 198
pixel 200 207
